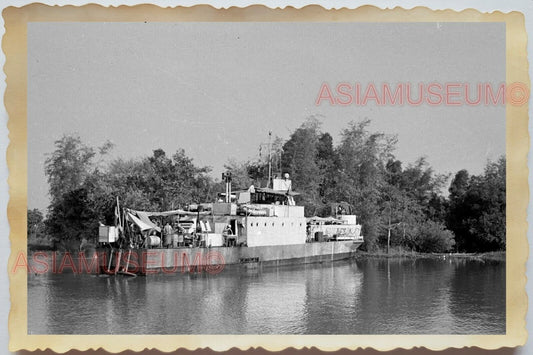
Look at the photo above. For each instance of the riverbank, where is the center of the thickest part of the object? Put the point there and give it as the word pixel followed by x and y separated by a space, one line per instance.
pixel 401 253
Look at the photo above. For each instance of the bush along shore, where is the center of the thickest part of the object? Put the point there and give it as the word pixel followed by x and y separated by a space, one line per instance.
pixel 397 253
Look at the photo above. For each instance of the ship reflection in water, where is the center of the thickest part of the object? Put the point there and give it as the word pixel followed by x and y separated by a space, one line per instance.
pixel 370 296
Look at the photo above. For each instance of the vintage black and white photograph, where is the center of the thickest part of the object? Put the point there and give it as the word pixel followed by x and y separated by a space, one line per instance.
pixel 266 178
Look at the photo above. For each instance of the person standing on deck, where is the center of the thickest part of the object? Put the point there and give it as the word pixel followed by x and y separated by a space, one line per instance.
pixel 167 234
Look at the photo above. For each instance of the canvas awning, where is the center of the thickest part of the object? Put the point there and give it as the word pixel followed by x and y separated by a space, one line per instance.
pixel 168 213
pixel 276 192
pixel 143 225
pixel 178 213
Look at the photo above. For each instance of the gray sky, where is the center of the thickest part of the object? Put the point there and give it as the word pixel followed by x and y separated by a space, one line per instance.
pixel 216 89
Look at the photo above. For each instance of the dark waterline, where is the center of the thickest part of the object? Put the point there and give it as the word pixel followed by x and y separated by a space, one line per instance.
pixel 369 296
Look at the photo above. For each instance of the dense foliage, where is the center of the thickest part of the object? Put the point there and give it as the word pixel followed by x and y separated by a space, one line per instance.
pixel 477 209
pixel 89 193
pixel 35 223
pixel 397 204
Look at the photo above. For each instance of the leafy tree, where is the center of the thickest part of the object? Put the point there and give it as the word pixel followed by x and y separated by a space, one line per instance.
pixel 67 167
pixel 477 209
pixel 415 198
pixel 155 183
pixel 72 217
pixel 70 214
pixel 459 185
pixel 433 237
pixel 240 176
pixel 35 222
pixel 300 161
pixel 258 172
pixel 421 184
pixel 329 165
pixel 362 159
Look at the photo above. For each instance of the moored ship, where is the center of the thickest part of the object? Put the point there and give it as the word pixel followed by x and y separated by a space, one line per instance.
pixel 258 226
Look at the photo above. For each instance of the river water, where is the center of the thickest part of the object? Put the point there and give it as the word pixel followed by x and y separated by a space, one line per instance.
pixel 364 296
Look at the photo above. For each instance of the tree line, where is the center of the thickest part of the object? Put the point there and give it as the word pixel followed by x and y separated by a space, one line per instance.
pixel 398 204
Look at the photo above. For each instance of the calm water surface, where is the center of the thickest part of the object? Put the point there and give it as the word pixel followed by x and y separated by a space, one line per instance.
pixel 369 296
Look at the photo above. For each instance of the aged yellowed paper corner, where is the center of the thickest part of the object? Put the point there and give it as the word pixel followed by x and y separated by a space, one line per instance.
pixel 14 45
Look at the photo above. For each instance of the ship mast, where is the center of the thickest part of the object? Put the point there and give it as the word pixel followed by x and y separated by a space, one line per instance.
pixel 269 159
pixel 269 145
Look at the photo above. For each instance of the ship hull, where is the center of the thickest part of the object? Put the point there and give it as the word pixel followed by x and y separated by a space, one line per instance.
pixel 214 260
